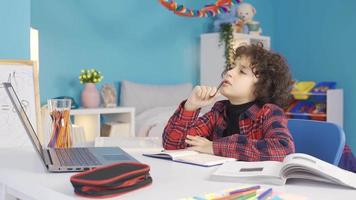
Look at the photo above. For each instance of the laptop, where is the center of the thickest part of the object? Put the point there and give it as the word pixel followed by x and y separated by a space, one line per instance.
pixel 67 159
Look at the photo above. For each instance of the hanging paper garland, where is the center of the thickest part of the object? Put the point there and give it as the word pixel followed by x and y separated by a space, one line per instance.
pixel 210 10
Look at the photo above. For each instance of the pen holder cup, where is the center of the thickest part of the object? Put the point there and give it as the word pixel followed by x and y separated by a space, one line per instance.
pixel 60 124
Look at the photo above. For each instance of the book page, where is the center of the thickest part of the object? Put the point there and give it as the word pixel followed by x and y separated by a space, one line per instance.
pixel 171 154
pixel 203 159
pixel 308 167
pixel 254 172
pixel 179 153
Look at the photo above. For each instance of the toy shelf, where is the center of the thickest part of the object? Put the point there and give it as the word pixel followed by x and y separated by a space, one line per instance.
pixel 307 114
pixel 309 93
pixel 331 100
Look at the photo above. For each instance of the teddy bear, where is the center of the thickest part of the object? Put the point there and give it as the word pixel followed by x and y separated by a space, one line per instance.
pixel 225 18
pixel 245 23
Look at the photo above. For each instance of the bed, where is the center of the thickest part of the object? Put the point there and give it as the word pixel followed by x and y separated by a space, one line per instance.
pixel 154 104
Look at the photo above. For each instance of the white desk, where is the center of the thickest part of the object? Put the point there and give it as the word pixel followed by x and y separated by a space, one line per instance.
pixel 22 175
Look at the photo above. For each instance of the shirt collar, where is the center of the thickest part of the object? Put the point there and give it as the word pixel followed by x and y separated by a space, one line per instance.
pixel 250 113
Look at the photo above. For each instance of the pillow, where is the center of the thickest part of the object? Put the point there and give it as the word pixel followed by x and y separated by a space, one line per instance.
pixel 151 122
pixel 146 96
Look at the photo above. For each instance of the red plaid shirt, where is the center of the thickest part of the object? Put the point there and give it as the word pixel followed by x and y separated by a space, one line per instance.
pixel 263 132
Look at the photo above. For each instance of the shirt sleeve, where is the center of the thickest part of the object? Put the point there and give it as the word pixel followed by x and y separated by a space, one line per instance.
pixel 275 144
pixel 184 123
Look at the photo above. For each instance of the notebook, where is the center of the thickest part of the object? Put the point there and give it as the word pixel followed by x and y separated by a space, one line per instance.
pixel 190 157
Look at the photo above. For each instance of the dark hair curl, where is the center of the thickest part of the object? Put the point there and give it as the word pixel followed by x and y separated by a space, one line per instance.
pixel 274 77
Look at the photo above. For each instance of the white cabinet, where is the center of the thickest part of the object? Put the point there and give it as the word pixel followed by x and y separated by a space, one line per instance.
pixel 91 118
pixel 332 103
pixel 212 60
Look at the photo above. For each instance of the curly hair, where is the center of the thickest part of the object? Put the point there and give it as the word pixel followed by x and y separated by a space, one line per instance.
pixel 274 78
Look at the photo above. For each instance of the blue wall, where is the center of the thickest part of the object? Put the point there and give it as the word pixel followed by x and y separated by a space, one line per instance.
pixel 317 37
pixel 127 39
pixel 15 29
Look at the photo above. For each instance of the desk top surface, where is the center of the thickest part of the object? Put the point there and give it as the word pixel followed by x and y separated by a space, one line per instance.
pixel 21 169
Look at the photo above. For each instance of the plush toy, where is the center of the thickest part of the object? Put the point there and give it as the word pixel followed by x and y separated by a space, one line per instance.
pixel 245 23
pixel 225 18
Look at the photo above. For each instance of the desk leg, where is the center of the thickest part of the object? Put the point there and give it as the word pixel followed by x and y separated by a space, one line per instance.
pixel 4 194
pixel 2 191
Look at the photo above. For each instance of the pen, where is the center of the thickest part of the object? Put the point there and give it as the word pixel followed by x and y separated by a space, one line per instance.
pixel 217 89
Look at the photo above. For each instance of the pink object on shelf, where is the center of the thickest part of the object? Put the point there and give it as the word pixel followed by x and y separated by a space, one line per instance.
pixel 90 96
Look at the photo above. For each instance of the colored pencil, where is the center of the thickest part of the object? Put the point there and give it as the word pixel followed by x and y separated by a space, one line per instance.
pixel 256 187
pixel 264 195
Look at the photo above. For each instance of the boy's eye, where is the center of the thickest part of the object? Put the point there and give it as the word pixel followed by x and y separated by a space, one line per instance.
pixel 242 72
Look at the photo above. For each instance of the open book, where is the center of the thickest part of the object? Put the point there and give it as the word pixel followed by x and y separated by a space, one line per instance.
pixel 297 165
pixel 191 157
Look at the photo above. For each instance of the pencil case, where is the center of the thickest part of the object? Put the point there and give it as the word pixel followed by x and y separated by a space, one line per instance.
pixel 111 180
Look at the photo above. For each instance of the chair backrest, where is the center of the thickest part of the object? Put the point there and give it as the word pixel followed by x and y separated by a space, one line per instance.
pixel 323 140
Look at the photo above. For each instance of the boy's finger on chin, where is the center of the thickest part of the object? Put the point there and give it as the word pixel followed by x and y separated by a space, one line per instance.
pixel 203 91
pixel 198 91
pixel 208 91
pixel 203 95
pixel 212 92
pixel 218 94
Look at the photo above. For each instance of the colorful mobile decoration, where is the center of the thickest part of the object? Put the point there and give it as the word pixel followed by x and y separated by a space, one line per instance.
pixel 210 10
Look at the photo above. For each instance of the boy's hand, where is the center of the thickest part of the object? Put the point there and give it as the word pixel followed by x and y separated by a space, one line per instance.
pixel 200 144
pixel 201 96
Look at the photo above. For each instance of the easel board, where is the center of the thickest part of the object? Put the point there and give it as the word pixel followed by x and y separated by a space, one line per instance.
pixel 23 75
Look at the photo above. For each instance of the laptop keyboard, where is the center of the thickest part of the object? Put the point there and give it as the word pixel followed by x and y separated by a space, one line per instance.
pixel 76 157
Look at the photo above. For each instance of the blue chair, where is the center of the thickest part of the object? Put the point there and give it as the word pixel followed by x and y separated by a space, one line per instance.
pixel 323 140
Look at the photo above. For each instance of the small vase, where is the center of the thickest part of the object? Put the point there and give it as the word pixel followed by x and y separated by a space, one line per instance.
pixel 90 96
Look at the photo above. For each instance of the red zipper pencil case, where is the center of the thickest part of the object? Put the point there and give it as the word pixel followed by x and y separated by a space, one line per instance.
pixel 111 180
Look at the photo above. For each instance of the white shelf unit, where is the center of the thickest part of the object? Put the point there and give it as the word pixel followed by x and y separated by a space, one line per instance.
pixel 90 119
pixel 212 59
pixel 334 100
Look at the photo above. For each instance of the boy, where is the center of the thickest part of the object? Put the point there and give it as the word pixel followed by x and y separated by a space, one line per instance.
pixel 250 125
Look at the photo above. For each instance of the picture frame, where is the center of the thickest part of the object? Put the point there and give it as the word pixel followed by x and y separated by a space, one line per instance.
pixel 108 96
pixel 24 77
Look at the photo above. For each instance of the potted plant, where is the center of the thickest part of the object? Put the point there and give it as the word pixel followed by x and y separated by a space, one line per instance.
pixel 226 38
pixel 90 97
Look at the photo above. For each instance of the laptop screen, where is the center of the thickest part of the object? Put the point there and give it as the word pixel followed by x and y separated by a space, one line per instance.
pixel 23 117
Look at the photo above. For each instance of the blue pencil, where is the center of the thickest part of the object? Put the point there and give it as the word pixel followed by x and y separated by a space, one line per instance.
pixel 198 198
pixel 265 194
pixel 256 187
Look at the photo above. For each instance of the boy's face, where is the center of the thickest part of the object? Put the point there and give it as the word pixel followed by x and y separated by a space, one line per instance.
pixel 239 82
